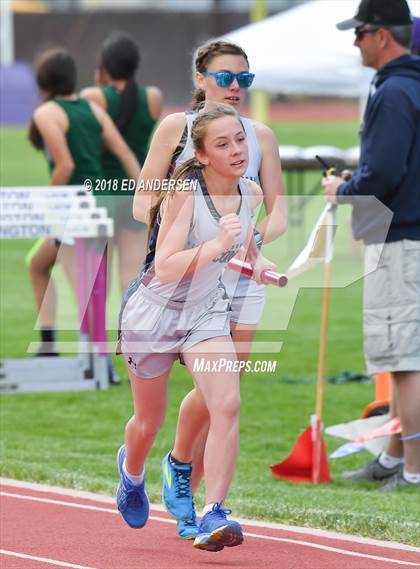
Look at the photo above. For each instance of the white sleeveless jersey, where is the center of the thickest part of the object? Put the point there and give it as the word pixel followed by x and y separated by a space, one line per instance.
pixel 236 286
pixel 204 227
pixel 254 151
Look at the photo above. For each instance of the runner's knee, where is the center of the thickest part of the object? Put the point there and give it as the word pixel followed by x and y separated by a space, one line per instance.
pixel 228 408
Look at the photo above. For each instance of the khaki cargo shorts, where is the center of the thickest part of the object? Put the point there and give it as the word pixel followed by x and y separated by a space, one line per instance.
pixel 391 306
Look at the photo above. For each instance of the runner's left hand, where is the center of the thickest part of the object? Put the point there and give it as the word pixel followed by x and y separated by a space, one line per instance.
pixel 260 265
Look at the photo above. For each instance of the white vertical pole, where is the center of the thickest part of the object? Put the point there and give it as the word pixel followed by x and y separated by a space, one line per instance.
pixel 6 33
pixel 260 102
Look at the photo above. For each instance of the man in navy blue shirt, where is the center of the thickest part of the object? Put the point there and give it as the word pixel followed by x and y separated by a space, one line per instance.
pixel 389 175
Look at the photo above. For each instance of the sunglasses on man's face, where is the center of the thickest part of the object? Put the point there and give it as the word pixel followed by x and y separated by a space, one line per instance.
pixel 226 78
pixel 360 32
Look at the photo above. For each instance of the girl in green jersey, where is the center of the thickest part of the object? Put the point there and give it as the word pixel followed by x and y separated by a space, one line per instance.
pixel 134 110
pixel 71 132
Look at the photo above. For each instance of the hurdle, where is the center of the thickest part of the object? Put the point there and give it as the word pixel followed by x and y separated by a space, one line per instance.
pixel 63 213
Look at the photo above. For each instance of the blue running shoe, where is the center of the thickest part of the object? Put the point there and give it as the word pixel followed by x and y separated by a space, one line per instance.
pixel 188 529
pixel 176 492
pixel 132 501
pixel 216 531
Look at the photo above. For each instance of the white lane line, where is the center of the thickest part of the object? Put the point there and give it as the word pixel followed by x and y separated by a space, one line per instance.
pixel 254 535
pixel 43 560
pixel 333 549
pixel 313 532
pixel 75 505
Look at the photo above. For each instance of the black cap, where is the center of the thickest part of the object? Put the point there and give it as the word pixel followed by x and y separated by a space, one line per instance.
pixel 379 13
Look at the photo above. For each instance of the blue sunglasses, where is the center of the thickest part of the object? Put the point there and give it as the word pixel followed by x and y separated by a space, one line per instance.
pixel 226 78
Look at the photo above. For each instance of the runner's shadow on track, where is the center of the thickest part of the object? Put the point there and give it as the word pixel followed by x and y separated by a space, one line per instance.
pixel 223 563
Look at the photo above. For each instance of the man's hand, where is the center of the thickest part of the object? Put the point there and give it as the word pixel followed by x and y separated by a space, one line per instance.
pixel 330 185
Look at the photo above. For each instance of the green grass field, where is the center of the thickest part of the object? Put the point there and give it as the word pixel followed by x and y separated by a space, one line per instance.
pixel 71 439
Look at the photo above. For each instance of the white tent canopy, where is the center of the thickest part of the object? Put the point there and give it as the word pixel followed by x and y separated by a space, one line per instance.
pixel 300 51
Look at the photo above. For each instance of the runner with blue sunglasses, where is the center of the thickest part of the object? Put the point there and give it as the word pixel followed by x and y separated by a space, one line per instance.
pixel 222 76
pixel 226 78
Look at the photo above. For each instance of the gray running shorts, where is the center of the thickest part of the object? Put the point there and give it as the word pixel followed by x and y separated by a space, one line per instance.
pixel 247 298
pixel 155 331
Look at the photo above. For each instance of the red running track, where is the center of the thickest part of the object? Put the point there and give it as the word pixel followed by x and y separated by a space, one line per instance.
pixel 44 527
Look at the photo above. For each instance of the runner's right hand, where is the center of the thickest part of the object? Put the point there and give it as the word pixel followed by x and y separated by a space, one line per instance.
pixel 229 230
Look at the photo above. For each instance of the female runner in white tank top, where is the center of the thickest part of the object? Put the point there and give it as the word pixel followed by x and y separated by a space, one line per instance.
pixel 177 306
pixel 215 64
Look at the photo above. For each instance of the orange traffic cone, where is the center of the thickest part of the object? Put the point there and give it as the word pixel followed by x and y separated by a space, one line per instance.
pixel 383 389
pixel 308 460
